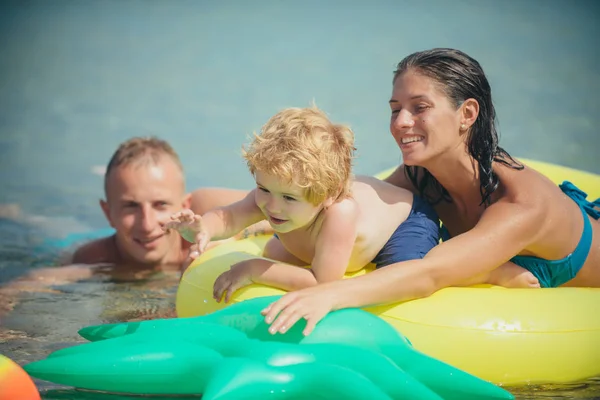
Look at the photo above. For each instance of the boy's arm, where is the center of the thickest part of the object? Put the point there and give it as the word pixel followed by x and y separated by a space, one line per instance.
pixel 261 228
pixel 333 249
pixel 225 222
pixel 280 275
pixel 204 200
pixel 335 242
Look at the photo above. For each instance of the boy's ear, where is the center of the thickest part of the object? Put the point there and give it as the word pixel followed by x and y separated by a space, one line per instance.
pixel 328 202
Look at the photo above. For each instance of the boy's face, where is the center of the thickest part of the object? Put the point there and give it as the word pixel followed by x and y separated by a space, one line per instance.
pixel 283 203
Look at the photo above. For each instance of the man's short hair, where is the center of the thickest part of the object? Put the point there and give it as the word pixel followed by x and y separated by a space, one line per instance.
pixel 140 150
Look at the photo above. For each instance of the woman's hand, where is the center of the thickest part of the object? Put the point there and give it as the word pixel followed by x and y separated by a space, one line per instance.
pixel 312 304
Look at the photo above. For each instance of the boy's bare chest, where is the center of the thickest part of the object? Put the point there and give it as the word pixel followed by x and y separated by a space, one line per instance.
pixel 299 244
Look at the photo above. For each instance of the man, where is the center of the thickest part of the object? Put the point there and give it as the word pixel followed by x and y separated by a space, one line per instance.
pixel 144 185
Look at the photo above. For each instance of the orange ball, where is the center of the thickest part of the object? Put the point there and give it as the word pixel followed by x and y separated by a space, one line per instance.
pixel 15 383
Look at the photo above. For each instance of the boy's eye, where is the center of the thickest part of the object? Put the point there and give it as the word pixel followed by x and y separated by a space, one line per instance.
pixel 262 189
pixel 288 198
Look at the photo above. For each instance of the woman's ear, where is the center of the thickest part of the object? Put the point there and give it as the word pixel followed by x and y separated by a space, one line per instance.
pixel 469 111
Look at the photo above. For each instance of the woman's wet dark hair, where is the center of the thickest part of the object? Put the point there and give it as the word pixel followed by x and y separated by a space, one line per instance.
pixel 460 77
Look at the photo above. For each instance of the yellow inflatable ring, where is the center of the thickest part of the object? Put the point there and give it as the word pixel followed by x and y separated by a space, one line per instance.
pixel 506 336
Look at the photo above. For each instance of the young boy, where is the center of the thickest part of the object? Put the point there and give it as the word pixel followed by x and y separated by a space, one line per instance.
pixel 322 216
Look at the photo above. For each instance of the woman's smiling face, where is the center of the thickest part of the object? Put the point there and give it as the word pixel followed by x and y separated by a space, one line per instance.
pixel 424 122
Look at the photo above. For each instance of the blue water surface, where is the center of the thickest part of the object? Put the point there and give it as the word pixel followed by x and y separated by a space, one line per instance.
pixel 77 77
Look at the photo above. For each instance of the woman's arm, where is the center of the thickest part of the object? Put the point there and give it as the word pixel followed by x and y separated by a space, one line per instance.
pixel 503 231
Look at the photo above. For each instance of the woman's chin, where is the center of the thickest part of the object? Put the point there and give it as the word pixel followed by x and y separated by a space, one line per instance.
pixel 411 161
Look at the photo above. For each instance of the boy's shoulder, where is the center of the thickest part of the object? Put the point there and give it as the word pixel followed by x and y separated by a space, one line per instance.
pixel 344 209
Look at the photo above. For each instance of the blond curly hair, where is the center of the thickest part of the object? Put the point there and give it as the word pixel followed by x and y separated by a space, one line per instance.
pixel 303 147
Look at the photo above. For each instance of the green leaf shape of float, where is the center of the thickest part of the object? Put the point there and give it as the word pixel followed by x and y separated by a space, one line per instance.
pixel 230 354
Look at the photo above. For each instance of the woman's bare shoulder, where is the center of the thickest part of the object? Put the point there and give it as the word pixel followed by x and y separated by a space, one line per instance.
pixel 526 186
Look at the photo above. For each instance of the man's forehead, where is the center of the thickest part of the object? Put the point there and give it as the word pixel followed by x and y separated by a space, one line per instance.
pixel 162 177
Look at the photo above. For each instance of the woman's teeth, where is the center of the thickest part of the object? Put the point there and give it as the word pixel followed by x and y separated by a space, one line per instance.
pixel 411 139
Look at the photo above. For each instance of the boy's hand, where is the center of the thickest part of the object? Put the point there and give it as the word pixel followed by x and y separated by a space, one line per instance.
pixel 189 226
pixel 238 276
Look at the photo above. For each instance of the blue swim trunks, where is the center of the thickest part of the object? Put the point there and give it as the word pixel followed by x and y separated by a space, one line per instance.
pixel 413 238
pixel 553 273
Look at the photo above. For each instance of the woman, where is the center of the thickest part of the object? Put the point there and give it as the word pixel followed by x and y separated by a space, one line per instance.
pixel 502 221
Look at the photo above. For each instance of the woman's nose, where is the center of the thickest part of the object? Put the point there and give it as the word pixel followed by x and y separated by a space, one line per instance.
pixel 403 120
